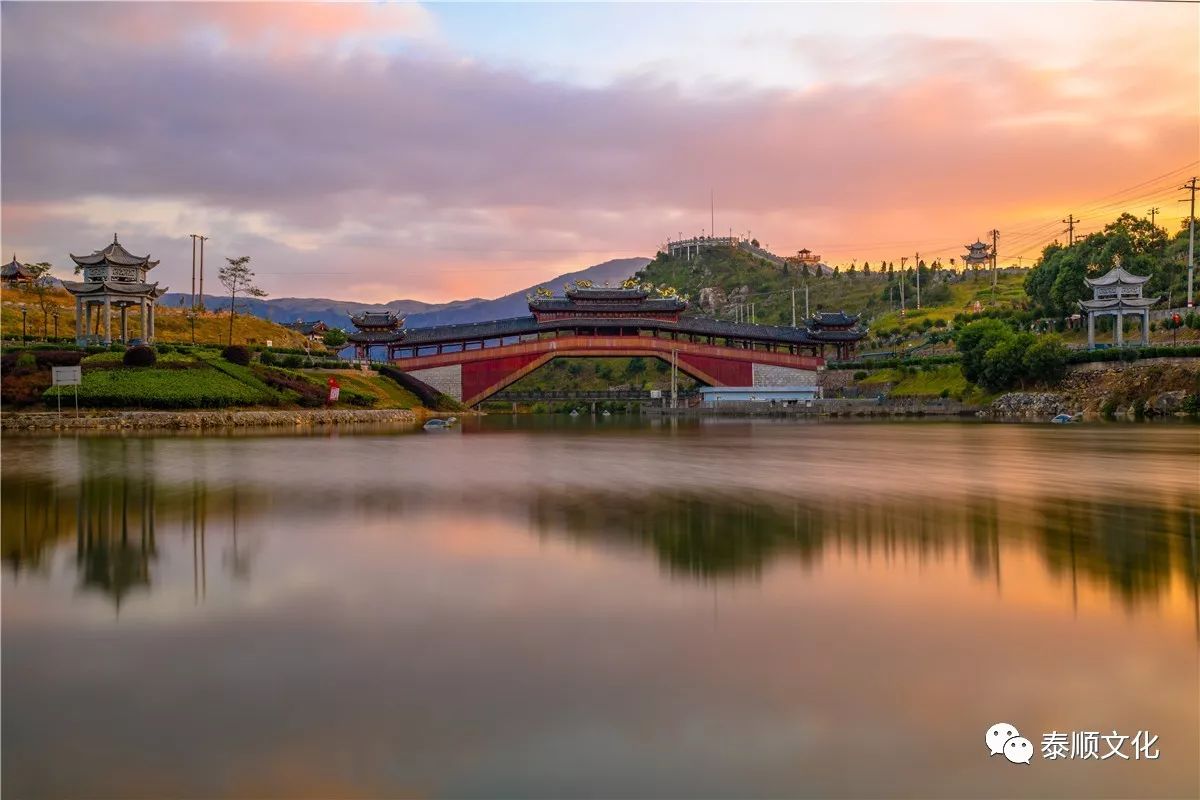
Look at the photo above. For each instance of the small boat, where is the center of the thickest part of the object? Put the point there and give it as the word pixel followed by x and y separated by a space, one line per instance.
pixel 439 424
pixel 1063 419
pixel 574 412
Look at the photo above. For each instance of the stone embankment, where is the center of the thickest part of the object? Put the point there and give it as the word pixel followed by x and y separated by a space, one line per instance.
pixel 191 420
pixel 1158 388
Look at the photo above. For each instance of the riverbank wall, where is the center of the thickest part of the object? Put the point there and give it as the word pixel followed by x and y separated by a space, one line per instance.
pixel 830 407
pixel 191 420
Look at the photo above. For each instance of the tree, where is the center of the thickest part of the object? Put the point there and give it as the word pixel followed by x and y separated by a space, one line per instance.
pixel 238 278
pixel 335 338
pixel 1046 359
pixel 1004 362
pixel 40 288
pixel 975 340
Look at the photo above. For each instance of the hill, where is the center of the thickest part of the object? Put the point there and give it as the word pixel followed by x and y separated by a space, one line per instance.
pixel 733 283
pixel 172 324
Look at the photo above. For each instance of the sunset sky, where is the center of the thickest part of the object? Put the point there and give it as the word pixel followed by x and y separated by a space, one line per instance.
pixel 384 150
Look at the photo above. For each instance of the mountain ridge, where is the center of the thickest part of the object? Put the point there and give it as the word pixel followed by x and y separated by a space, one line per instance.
pixel 419 314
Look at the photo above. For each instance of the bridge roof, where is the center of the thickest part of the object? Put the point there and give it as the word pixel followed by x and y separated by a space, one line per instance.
pixel 520 326
pixel 599 303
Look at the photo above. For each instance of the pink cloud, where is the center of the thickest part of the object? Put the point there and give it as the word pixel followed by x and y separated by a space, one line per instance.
pixel 438 177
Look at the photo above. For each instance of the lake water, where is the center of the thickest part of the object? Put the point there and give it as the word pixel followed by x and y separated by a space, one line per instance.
pixel 576 607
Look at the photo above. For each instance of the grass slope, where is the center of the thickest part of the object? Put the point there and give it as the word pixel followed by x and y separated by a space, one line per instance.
pixel 171 323
pixel 769 287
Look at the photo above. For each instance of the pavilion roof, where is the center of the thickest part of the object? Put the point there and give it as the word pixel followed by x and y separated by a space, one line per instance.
pixel 15 269
pixel 89 288
pixel 377 319
pixel 835 319
pixel 1136 303
pixel 114 255
pixel 1118 275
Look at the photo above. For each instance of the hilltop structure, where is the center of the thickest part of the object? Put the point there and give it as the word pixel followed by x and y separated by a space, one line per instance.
pixel 113 277
pixel 690 248
pixel 1118 293
pixel 979 254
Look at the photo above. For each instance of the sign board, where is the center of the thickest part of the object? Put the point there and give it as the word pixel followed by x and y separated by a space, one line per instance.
pixel 656 394
pixel 67 376
pixel 334 390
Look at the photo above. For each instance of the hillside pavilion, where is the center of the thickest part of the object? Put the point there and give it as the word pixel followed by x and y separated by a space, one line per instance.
pixel 113 277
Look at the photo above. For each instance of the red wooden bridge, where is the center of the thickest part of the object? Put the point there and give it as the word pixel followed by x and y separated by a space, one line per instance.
pixel 473 361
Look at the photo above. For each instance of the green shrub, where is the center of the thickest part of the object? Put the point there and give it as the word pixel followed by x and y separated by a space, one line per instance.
pixel 862 373
pixel 164 348
pixel 236 354
pixel 27 361
pixel 140 356
pixel 292 361
pixel 266 359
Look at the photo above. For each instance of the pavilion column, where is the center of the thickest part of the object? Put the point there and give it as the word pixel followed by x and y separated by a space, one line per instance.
pixel 1146 328
pixel 125 324
pixel 1120 329
pixel 107 320
pixel 142 318
pixel 150 305
pixel 1091 331
pixel 87 326
pixel 79 325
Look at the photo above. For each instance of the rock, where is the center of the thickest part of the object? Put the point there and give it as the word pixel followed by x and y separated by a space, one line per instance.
pixel 1028 404
pixel 711 298
pixel 1168 402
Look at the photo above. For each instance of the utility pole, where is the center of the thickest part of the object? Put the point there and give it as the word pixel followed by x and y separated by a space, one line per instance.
pixel 1071 222
pixel 917 262
pixel 793 306
pixel 1191 186
pixel 193 303
pixel 712 213
pixel 995 234
pixel 806 301
pixel 903 309
pixel 1152 212
pixel 200 300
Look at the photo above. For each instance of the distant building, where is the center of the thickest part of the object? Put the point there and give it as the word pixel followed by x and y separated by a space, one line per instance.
pixel 804 256
pixel 14 273
pixel 113 277
pixel 712 396
pixel 313 331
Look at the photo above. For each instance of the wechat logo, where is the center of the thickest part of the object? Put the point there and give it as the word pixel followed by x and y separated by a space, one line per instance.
pixel 1004 739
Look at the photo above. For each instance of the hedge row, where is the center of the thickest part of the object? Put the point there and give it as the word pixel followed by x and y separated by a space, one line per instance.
pixel 153 388
pixel 893 363
pixel 1133 353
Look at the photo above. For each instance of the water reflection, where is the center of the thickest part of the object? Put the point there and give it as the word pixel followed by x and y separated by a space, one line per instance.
pixel 724 611
pixel 1133 550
